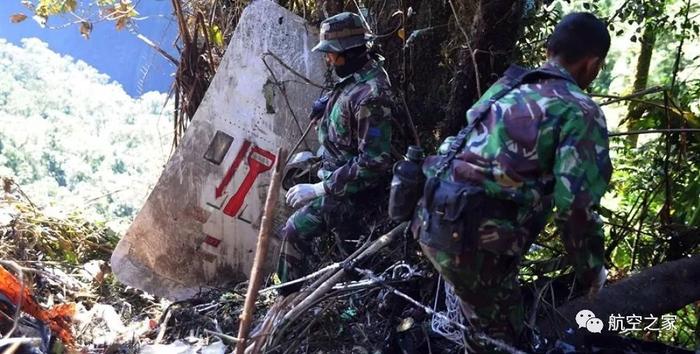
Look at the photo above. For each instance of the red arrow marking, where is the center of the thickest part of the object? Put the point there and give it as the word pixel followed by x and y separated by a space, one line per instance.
pixel 259 161
pixel 232 169
pixel 212 241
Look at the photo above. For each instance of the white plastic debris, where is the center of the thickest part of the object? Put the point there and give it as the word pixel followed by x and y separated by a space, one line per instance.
pixel 180 347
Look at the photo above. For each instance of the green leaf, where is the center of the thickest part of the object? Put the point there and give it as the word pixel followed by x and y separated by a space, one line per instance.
pixel 122 13
pixel 47 8
pixel 216 36
pixel 621 256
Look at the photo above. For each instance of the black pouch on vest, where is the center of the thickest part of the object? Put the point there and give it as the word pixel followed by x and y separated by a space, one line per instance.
pixel 451 213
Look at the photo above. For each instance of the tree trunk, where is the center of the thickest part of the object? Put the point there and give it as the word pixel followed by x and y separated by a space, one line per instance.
pixel 496 26
pixel 658 290
pixel 422 76
pixel 636 109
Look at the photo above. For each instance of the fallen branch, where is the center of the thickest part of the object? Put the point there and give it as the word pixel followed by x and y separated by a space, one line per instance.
pixel 12 348
pixel 163 327
pixel 328 284
pixel 324 277
pixel 327 268
pixel 19 341
pixel 225 337
pixel 256 273
pixel 658 290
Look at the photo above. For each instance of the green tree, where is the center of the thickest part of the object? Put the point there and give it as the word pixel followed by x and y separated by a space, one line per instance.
pixel 73 139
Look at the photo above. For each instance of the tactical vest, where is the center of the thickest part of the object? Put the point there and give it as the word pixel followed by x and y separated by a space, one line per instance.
pixel 450 213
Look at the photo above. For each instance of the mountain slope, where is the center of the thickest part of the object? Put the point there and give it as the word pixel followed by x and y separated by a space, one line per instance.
pixel 73 139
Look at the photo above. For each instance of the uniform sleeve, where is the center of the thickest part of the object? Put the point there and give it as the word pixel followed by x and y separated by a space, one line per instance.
pixel 373 161
pixel 582 172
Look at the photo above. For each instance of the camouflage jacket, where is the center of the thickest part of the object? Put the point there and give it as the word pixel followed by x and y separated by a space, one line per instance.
pixel 356 132
pixel 543 145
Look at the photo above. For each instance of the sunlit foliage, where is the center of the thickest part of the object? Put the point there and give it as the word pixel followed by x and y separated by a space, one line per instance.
pixel 74 140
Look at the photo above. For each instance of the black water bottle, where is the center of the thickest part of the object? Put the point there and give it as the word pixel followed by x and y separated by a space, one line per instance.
pixel 406 185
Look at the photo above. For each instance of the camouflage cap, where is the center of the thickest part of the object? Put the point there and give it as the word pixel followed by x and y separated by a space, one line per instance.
pixel 341 32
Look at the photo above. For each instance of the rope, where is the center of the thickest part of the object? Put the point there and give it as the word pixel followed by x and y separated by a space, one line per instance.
pixel 453 313
pixel 478 336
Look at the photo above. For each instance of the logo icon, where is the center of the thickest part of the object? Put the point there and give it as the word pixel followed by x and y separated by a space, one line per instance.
pixel 586 319
pixel 594 325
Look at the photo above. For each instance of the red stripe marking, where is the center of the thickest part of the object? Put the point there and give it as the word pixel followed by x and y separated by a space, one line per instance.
pixel 212 241
pixel 232 169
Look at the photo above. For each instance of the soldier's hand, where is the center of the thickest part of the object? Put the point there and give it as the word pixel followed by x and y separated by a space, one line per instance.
pixel 303 193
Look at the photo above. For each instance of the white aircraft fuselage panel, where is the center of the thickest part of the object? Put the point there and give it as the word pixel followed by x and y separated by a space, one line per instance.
pixel 199 226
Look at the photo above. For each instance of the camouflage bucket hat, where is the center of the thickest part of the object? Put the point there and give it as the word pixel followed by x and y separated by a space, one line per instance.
pixel 342 32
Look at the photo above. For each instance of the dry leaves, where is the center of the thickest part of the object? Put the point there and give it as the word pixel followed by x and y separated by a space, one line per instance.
pixel 18 17
pixel 85 29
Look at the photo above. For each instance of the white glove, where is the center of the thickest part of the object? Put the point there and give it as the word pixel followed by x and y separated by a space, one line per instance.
pixel 302 193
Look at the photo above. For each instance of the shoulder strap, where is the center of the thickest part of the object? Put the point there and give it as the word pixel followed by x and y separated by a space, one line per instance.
pixel 515 76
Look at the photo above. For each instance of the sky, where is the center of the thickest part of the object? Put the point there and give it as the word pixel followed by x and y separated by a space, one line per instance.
pixel 119 54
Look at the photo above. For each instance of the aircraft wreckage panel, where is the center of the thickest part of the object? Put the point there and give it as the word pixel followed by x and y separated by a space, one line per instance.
pixel 200 224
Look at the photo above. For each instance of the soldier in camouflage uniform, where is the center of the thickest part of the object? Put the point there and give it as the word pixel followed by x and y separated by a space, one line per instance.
pixel 542 145
pixel 356 131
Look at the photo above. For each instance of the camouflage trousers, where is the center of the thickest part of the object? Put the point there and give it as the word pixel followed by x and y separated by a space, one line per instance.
pixel 487 284
pixel 320 217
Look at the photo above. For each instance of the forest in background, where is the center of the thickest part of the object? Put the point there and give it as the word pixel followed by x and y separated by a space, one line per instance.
pixel 651 81
pixel 73 140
